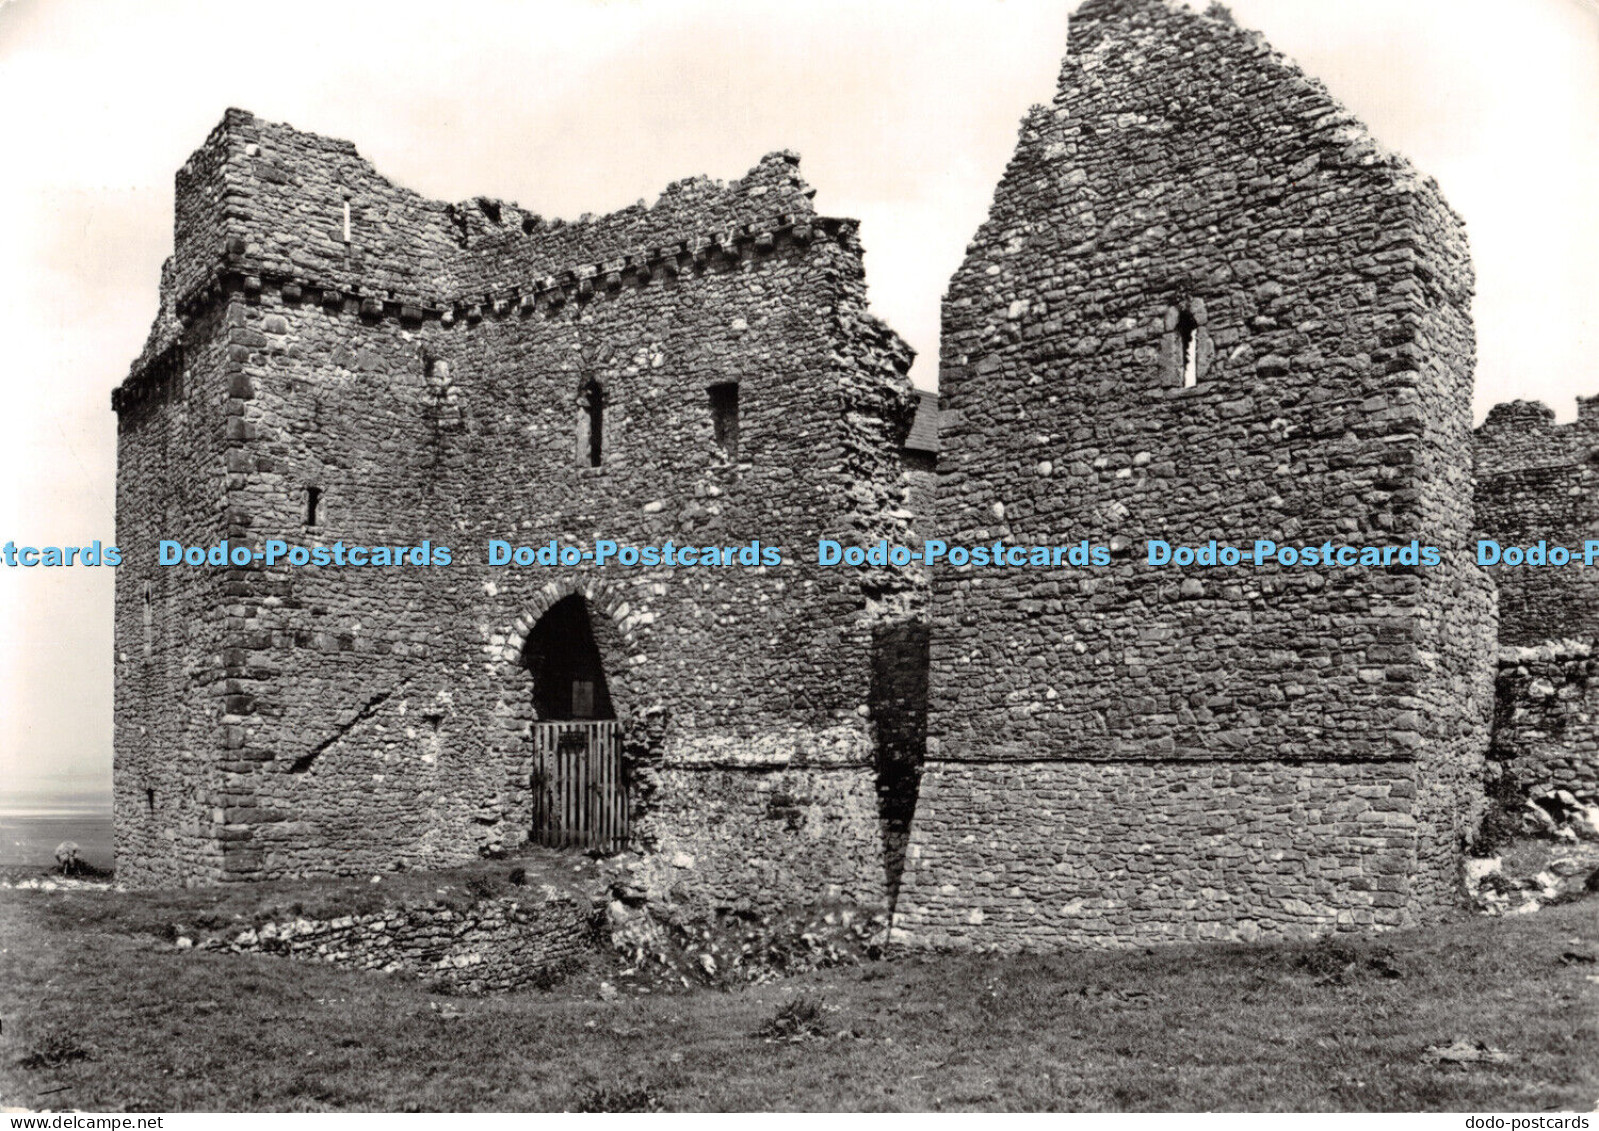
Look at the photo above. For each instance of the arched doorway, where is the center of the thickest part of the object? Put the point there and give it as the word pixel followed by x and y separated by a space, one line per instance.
pixel 579 781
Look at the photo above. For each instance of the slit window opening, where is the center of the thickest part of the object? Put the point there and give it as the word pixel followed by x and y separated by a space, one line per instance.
pixel 346 221
pixel 313 501
pixel 149 623
pixel 724 417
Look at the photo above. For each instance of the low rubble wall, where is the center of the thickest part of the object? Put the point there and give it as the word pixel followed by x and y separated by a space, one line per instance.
pixel 492 946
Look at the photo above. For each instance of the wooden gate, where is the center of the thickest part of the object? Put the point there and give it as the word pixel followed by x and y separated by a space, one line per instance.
pixel 579 787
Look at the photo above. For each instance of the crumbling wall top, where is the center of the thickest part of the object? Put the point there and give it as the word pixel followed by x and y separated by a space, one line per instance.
pixel 1153 32
pixel 1519 435
pixel 263 200
pixel 508 243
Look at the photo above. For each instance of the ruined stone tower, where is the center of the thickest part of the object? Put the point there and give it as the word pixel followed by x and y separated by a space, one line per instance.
pixel 338 360
pixel 1535 480
pixel 1205 305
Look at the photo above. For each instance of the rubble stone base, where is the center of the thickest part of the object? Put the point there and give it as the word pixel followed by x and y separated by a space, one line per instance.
pixel 1025 856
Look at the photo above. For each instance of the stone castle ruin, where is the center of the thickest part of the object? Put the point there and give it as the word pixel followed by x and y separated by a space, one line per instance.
pixel 338 359
pixel 1205 304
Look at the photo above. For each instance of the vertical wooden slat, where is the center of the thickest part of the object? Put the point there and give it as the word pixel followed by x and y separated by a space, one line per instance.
pixel 544 790
pixel 616 789
pixel 580 785
pixel 607 790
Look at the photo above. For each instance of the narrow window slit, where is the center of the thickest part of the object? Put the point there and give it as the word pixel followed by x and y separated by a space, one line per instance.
pixel 149 624
pixel 313 500
pixel 1187 331
pixel 591 424
pixel 346 221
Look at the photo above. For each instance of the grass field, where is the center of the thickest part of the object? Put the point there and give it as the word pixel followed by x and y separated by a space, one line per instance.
pixel 100 1013
pixel 31 838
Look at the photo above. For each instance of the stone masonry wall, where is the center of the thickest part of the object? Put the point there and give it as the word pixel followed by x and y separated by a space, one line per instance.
pixel 734 839
pixel 1095 854
pixel 1191 192
pixel 382 716
pixel 1536 480
pixel 169 625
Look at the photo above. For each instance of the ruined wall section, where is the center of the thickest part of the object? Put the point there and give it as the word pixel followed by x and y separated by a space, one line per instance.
pixel 267 201
pixel 515 250
pixel 1538 480
pixel 1455 613
pixel 1548 729
pixel 1518 435
pixel 1017 855
pixel 344 675
pixel 763 759
pixel 1188 179
pixel 170 623
pixel 1185 164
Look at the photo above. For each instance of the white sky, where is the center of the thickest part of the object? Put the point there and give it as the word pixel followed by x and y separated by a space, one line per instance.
pixel 905 114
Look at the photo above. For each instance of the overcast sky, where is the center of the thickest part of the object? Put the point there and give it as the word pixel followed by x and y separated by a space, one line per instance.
pixel 904 113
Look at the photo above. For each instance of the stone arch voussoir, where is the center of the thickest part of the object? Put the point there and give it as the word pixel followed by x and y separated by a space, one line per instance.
pixel 615 629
